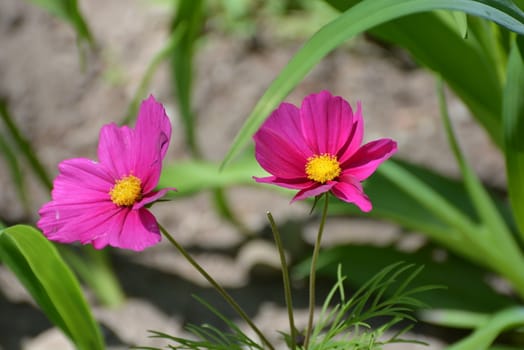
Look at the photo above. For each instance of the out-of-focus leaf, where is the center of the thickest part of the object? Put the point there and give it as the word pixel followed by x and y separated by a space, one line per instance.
pixel 167 50
pixel 39 267
pixel 17 175
pixel 491 329
pixel 465 284
pixel 359 18
pixel 454 318
pixel 513 116
pixel 462 23
pixel 68 10
pixel 24 146
pixel 194 175
pixel 497 235
pixel 190 17
pixel 399 192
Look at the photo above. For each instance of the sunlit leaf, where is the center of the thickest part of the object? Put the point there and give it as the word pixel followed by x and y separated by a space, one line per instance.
pixel 37 264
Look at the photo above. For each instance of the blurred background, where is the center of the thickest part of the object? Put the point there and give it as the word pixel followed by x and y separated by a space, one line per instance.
pixel 60 94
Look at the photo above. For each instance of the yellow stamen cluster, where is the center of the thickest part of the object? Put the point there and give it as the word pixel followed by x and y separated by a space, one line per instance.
pixel 126 191
pixel 322 168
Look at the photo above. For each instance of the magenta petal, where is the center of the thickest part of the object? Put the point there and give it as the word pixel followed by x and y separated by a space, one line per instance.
pixel 153 134
pixel 68 223
pixel 352 192
pixel 140 230
pixel 296 184
pixel 152 196
pixel 326 122
pixel 286 124
pixel 355 137
pixel 153 122
pixel 117 150
pixel 313 191
pixel 367 159
pixel 81 180
pixel 278 156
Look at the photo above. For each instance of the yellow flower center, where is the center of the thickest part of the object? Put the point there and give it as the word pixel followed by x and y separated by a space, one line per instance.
pixel 322 168
pixel 126 191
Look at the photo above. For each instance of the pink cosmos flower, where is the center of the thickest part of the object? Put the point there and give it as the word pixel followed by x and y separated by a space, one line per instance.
pixel 317 148
pixel 104 203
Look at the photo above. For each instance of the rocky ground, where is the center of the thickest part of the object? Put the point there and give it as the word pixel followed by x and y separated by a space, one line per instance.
pixel 61 104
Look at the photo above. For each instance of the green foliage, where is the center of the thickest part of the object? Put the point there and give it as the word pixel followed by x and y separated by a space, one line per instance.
pixel 39 267
pixel 387 294
pixel 191 176
pixel 360 262
pixel 342 323
pixel 209 337
pixel 190 17
pixel 513 116
pixel 487 332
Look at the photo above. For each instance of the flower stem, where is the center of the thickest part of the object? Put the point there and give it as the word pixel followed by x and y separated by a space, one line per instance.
pixel 285 277
pixel 312 272
pixel 217 287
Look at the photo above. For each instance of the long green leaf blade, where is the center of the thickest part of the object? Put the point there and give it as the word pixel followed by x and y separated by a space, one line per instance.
pixel 189 17
pixel 37 264
pixel 361 17
pixel 513 116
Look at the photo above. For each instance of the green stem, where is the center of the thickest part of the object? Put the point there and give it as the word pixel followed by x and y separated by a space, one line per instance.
pixel 285 277
pixel 217 287
pixel 312 272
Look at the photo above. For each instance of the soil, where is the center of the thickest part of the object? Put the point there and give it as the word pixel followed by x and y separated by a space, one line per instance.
pixel 60 105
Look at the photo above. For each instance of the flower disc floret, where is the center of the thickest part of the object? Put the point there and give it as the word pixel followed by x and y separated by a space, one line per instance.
pixel 126 191
pixel 322 168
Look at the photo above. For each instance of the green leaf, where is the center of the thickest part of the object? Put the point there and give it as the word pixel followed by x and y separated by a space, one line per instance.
pixel 39 267
pixel 513 116
pixel 189 17
pixel 67 10
pixel 462 23
pixel 490 330
pixel 361 17
pixel 497 236
pixel 195 175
